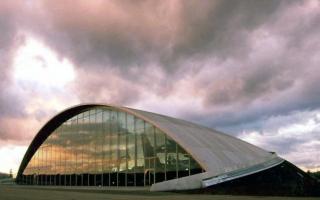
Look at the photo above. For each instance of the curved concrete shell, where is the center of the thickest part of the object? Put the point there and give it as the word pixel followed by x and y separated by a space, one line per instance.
pixel 222 157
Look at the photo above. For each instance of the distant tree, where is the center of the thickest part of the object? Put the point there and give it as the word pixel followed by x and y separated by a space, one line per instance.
pixel 316 174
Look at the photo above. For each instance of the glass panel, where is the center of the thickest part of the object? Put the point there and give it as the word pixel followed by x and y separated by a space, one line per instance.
pixel 131 143
pixel 100 142
pixel 183 162
pixel 160 151
pixel 106 140
pixel 131 152
pixel 171 159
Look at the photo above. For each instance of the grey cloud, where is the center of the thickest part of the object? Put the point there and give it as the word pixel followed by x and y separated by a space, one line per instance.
pixel 126 38
pixel 8 43
pixel 294 137
pixel 272 83
pixel 121 37
pixel 118 34
pixel 135 34
pixel 105 87
pixel 100 41
pixel 220 28
pixel 14 119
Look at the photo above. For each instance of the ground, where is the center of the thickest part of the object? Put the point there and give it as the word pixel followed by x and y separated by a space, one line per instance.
pixel 13 192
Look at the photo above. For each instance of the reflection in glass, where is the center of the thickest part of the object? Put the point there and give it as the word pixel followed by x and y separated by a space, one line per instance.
pixel 108 147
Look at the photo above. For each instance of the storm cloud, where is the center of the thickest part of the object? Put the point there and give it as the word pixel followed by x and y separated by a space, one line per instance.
pixel 230 65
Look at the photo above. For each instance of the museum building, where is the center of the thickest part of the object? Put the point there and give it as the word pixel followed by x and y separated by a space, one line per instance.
pixel 106 145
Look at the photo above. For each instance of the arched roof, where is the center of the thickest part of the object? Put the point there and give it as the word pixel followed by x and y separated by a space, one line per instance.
pixel 216 152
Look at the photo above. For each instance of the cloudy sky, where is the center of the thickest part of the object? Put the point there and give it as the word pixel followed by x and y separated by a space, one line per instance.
pixel 248 68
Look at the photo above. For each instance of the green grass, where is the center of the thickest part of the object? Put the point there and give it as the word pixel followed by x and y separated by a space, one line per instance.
pixel 14 192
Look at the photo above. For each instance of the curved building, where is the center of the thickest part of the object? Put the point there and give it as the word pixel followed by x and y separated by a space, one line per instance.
pixel 104 145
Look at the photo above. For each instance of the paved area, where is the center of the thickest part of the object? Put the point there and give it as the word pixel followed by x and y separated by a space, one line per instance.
pixel 14 192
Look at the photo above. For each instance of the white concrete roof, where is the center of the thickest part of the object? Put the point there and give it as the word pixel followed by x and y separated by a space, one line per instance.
pixel 216 152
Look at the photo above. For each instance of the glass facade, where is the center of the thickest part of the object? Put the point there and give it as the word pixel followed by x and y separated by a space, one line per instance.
pixel 106 147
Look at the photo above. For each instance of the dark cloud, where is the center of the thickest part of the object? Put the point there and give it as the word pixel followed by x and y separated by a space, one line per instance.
pixel 8 44
pixel 295 136
pixel 109 35
pixel 220 28
pixel 280 66
pixel 16 124
pixel 121 34
pixel 106 87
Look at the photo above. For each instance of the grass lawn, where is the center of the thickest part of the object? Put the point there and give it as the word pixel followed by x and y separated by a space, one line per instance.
pixel 14 192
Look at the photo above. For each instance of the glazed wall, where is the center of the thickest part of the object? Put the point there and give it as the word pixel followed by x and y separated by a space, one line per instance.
pixel 108 147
